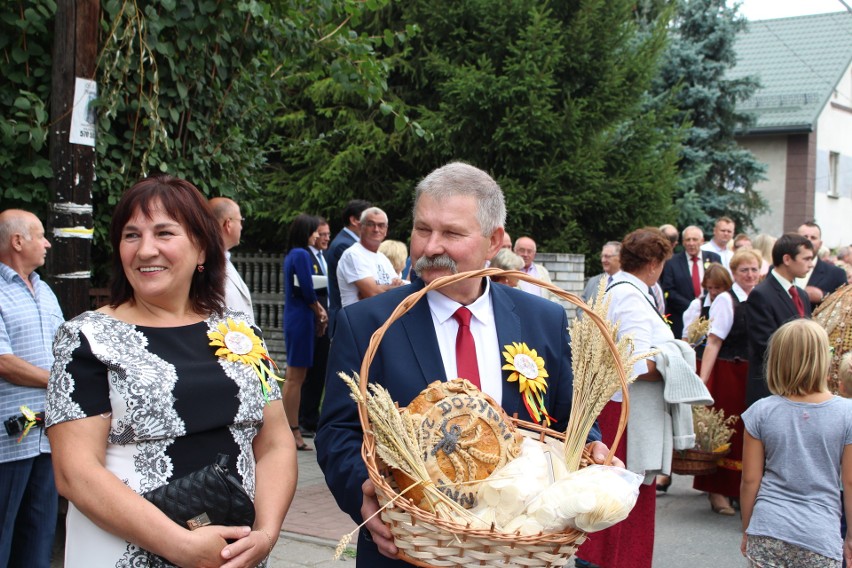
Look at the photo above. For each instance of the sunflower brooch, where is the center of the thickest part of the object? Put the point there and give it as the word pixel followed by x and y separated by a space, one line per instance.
pixel 529 372
pixel 238 343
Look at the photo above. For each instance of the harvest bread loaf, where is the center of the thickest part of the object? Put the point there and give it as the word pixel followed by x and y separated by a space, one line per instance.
pixel 464 436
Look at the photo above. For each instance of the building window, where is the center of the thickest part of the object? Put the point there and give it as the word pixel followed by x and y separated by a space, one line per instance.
pixel 833 178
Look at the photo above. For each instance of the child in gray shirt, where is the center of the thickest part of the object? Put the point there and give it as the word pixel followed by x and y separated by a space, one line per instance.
pixel 795 442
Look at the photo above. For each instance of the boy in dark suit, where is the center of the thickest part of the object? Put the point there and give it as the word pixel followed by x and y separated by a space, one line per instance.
pixel 774 302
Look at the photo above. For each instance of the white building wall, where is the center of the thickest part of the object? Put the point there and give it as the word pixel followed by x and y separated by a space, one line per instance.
pixel 834 134
pixel 771 151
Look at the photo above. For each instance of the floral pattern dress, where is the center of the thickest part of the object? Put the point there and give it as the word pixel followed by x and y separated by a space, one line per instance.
pixel 173 406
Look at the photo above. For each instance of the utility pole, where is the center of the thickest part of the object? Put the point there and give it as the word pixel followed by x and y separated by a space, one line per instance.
pixel 72 153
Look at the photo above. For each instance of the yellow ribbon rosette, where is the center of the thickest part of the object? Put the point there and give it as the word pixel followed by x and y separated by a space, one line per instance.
pixel 31 419
pixel 238 343
pixel 528 370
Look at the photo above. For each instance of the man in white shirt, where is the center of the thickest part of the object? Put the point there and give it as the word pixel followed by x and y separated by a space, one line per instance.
pixel 237 294
pixel 610 263
pixel 525 248
pixel 363 271
pixel 458 218
pixel 723 232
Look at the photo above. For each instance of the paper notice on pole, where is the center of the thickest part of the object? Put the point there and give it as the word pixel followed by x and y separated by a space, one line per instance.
pixel 83 116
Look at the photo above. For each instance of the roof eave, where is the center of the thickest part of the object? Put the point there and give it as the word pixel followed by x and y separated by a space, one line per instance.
pixel 781 129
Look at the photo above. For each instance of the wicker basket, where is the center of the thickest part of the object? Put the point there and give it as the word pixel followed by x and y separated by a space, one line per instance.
pixel 696 462
pixel 426 540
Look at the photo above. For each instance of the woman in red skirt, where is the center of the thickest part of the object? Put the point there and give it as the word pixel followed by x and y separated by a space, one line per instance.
pixel 724 368
pixel 630 543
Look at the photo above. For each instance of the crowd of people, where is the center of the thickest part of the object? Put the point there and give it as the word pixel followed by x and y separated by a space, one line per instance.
pixel 173 371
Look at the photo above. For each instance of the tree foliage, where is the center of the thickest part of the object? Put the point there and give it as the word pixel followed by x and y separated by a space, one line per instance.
pixel 25 61
pixel 717 177
pixel 548 97
pixel 194 88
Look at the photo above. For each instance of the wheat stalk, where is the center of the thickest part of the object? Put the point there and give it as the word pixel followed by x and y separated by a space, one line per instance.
pixel 697 330
pixel 400 445
pixel 596 377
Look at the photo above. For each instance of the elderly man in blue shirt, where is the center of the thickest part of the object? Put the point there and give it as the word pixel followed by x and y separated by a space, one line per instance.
pixel 29 318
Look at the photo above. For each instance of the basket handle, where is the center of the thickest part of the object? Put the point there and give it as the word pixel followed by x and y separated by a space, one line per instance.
pixel 407 303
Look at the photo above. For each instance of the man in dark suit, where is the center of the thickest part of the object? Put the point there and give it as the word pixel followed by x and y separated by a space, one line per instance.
pixel 825 278
pixel 458 218
pixel 680 286
pixel 309 403
pixel 774 302
pixel 348 236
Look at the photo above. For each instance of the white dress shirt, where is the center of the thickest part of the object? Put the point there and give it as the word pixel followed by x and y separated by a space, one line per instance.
pixel 484 331
pixel 724 252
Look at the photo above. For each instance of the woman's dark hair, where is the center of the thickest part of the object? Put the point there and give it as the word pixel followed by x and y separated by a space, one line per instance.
pixel 301 229
pixel 643 246
pixel 184 203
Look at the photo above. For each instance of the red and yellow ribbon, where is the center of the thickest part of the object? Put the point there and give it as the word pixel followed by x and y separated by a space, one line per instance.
pixel 528 370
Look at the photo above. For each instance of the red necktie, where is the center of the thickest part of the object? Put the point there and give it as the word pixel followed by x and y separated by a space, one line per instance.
pixel 696 280
pixel 466 365
pixel 797 301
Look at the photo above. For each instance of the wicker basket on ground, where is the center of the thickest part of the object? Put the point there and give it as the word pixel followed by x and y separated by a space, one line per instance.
pixel 424 539
pixel 696 462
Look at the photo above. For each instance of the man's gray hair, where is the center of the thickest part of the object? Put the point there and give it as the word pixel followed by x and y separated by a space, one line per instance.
pixel 458 178
pixel 614 244
pixel 14 221
pixel 371 211
pixel 693 228
pixel 507 260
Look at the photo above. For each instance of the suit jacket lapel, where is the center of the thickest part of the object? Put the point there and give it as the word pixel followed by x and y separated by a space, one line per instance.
pixel 508 323
pixel 316 267
pixel 424 343
pixel 784 298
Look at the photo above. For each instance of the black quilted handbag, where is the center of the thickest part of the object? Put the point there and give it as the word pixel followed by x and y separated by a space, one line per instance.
pixel 209 496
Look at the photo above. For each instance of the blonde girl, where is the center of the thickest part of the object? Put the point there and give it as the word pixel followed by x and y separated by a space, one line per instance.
pixel 795 443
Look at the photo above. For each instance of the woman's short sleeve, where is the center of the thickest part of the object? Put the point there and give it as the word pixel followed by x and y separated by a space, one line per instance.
pixel 78 385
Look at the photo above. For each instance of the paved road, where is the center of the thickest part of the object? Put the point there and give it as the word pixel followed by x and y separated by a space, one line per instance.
pixel 688 533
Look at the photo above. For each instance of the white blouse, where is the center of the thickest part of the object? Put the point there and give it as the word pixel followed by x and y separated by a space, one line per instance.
pixel 722 312
pixel 632 306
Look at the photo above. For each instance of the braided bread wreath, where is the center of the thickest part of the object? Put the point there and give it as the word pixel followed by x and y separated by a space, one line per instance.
pixel 467 436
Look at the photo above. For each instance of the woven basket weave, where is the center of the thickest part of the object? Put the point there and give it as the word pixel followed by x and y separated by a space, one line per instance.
pixel 696 462
pixel 426 540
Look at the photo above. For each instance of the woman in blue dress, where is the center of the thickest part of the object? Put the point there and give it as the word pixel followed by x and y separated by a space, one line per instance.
pixel 304 316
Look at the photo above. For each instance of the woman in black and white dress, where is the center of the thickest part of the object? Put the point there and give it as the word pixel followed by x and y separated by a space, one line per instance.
pixel 154 386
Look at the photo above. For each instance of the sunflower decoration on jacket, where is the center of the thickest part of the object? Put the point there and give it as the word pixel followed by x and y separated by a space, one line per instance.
pixel 527 369
pixel 237 342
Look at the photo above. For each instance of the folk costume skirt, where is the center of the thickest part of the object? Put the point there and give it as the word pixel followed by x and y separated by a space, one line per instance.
pixel 630 543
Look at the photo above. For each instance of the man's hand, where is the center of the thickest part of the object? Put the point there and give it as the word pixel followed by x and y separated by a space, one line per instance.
pixel 815 295
pixel 599 451
pixel 380 533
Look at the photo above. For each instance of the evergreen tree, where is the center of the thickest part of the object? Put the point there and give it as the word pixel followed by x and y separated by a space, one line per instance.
pixel 717 177
pixel 547 97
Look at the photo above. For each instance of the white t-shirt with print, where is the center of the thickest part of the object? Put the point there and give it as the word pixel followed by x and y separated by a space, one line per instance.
pixel 358 263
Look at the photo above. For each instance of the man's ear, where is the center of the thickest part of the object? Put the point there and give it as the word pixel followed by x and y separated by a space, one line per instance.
pixel 17 242
pixel 495 242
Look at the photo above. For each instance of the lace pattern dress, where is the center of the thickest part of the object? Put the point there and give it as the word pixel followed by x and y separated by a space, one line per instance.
pixel 173 405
